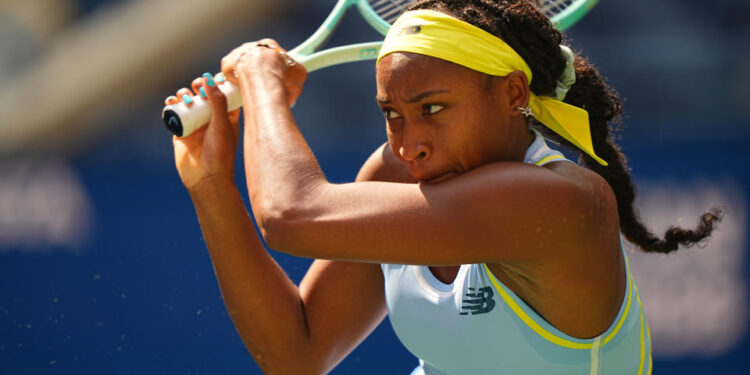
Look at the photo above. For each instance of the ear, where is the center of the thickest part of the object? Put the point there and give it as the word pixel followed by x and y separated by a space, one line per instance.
pixel 516 91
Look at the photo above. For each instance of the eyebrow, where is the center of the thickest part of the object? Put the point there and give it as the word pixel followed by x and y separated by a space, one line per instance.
pixel 414 99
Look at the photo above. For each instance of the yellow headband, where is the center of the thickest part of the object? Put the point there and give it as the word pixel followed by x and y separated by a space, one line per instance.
pixel 435 34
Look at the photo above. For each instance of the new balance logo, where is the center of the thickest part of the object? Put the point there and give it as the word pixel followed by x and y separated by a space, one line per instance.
pixel 410 30
pixel 478 301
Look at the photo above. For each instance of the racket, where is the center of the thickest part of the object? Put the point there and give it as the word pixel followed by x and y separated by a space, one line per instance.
pixel 182 120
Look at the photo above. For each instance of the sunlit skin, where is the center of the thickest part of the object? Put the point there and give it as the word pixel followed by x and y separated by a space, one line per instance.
pixel 443 119
pixel 549 233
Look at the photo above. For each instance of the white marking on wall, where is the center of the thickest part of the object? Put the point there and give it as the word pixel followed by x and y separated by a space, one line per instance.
pixel 43 206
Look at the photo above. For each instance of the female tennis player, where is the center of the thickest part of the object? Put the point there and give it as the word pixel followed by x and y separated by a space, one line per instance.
pixel 490 252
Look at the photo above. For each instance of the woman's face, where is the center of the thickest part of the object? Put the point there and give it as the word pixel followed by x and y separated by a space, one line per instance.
pixel 443 119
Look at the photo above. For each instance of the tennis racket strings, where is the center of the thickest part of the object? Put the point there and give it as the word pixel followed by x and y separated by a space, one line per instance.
pixel 389 10
pixel 553 7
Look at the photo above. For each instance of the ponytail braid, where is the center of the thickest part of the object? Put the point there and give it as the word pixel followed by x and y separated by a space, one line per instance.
pixel 604 107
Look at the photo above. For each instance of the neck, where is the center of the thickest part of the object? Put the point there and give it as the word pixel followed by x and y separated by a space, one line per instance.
pixel 530 138
pixel 527 138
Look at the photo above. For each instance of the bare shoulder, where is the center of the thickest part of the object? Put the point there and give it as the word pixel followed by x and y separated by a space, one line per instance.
pixel 582 272
pixel 598 196
pixel 595 252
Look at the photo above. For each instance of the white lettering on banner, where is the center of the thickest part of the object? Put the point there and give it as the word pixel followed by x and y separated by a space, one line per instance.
pixel 43 206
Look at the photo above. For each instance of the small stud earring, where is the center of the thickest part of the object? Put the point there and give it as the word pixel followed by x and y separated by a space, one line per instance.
pixel 526 111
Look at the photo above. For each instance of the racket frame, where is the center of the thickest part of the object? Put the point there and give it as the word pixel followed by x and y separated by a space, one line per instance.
pixel 306 53
pixel 182 120
pixel 312 61
pixel 572 14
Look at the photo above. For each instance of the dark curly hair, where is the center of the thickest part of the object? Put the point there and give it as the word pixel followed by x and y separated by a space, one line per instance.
pixel 523 26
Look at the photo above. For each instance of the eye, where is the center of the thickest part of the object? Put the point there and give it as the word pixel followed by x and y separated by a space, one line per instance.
pixel 391 114
pixel 431 109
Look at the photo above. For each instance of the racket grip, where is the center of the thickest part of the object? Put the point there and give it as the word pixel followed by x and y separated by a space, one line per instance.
pixel 182 120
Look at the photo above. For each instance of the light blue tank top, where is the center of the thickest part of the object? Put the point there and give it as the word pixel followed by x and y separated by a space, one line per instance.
pixel 477 325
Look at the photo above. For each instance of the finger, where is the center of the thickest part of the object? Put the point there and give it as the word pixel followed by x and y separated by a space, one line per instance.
pixel 193 139
pixel 227 66
pixel 198 89
pixel 219 78
pixel 270 42
pixel 171 100
pixel 217 101
pixel 288 60
pixel 186 96
pixel 229 61
pixel 275 45
pixel 196 85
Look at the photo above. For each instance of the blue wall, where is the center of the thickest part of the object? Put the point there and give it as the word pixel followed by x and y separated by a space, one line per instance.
pixel 140 295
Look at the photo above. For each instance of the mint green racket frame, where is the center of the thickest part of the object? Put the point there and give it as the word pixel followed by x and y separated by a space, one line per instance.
pixel 306 53
pixel 182 119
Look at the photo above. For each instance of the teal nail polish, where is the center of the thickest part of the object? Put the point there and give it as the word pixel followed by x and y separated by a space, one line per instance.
pixel 187 99
pixel 210 80
pixel 203 92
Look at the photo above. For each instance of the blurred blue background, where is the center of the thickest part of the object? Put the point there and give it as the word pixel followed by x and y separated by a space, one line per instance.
pixel 102 263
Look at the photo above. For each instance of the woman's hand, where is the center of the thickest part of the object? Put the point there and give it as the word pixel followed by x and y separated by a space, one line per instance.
pixel 208 153
pixel 264 59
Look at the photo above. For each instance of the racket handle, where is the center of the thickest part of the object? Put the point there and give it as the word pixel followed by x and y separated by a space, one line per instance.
pixel 182 120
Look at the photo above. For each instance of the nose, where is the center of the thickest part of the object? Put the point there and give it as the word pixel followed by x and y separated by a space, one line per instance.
pixel 416 152
pixel 412 140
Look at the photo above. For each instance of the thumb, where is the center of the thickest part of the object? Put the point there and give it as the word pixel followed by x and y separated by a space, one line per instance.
pixel 218 102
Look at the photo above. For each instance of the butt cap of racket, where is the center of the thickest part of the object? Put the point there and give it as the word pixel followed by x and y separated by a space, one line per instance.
pixel 182 120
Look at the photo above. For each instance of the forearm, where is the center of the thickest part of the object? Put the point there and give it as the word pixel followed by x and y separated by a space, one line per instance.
pixel 281 170
pixel 264 304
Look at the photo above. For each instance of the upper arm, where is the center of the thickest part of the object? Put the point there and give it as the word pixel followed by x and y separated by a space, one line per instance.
pixel 501 212
pixel 344 302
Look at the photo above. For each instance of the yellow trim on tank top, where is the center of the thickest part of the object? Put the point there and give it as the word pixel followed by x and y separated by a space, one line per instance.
pixel 650 357
pixel 551 337
pixel 648 333
pixel 549 158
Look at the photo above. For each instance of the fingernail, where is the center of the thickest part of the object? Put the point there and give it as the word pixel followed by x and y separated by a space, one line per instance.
pixel 203 92
pixel 220 78
pixel 187 99
pixel 171 98
pixel 210 80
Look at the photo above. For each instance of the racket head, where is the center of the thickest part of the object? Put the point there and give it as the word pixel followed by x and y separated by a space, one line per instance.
pixel 379 14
